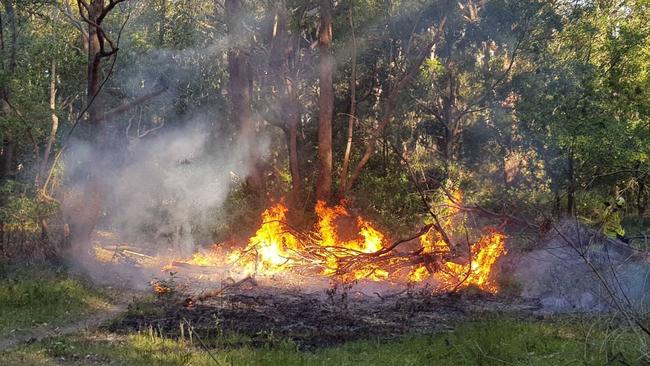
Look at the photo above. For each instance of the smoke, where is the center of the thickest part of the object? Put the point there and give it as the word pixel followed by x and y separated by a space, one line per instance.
pixel 583 275
pixel 165 187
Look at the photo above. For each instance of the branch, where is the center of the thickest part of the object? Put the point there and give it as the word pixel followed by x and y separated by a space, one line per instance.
pixel 67 11
pixel 437 225
pixel 83 111
pixel 632 318
pixel 127 106
pixel 391 104
pixel 107 9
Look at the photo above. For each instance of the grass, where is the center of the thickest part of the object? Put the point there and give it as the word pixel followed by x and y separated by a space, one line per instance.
pixel 31 297
pixel 488 341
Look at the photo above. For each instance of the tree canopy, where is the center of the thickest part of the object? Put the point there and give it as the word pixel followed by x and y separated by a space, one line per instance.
pixel 532 108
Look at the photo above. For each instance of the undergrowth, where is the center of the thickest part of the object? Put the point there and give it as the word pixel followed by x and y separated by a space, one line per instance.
pixel 31 297
pixel 487 341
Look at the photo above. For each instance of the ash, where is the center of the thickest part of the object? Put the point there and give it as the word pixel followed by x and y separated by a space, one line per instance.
pixel 577 269
pixel 314 319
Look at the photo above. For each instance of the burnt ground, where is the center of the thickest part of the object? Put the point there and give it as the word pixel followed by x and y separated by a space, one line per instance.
pixel 317 319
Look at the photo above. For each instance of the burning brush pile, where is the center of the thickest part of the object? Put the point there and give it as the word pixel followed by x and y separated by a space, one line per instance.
pixel 341 280
pixel 347 248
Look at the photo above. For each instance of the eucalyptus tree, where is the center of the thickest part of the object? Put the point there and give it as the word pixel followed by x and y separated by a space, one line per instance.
pixel 582 105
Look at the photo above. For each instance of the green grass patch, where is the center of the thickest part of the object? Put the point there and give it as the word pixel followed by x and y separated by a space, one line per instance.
pixel 490 341
pixel 30 297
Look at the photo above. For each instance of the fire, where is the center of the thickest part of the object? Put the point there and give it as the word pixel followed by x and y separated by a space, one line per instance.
pixel 371 239
pixel 272 248
pixel 477 272
pixel 161 288
pixel 277 248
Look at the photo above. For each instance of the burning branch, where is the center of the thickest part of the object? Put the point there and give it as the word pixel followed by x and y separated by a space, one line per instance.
pixel 277 247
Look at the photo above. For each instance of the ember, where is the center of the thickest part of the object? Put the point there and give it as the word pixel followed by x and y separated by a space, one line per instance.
pixel 161 288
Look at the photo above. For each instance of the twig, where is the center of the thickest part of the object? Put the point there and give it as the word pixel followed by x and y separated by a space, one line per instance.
pixel 224 288
pixel 191 328
pixel 469 268
pixel 632 318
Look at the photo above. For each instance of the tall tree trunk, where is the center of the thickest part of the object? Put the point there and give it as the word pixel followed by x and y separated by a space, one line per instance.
pixel 641 199
pixel 95 74
pixel 293 115
pixel 326 102
pixel 11 21
pixel 163 22
pixel 7 154
pixel 294 162
pixel 557 202
pixel 54 127
pixel 343 177
pixel 240 85
pixel 83 212
pixel 283 48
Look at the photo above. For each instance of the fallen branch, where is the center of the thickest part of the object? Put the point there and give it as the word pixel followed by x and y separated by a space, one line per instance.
pixel 225 288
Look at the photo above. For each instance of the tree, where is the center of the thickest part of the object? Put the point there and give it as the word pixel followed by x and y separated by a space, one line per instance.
pixel 574 103
pixel 280 104
pixel 411 68
pixel 325 102
pixel 100 47
pixel 240 87
pixel 9 46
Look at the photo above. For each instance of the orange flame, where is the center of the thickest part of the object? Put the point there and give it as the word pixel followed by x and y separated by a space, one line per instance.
pixel 275 249
pixel 271 249
pixel 484 254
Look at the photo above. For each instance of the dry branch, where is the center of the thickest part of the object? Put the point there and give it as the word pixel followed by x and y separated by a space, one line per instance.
pixel 225 288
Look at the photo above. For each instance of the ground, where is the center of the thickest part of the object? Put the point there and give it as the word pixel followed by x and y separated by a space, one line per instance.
pixel 161 331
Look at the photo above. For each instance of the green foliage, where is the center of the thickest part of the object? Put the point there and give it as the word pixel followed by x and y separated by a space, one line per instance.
pixel 521 104
pixel 239 216
pixel 389 199
pixel 581 104
pixel 21 212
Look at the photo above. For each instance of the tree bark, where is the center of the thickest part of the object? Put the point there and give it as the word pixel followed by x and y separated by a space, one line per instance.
pixel 345 167
pixel 87 211
pixel 293 117
pixel 326 102
pixel 641 200
pixel 240 88
pixel 294 162
pixel 95 73
pixel 54 127
pixel 83 213
pixel 7 154
pixel 284 106
pixel 8 150
pixel 163 22
pixel 11 21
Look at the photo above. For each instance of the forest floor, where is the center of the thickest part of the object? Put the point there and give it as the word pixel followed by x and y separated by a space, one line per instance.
pixel 48 317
